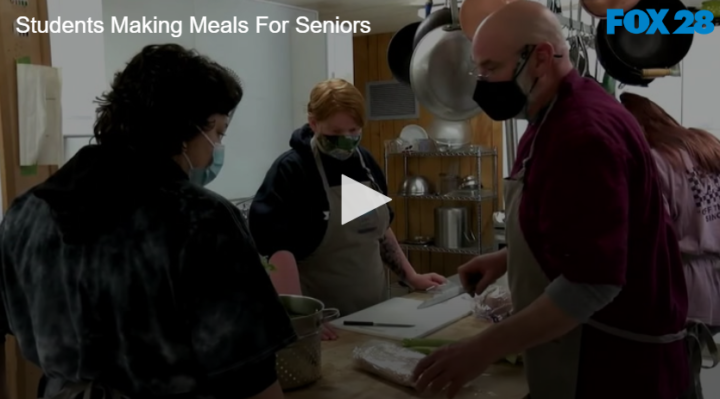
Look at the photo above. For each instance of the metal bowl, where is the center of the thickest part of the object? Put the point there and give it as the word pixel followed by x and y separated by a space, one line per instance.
pixel 469 183
pixel 452 135
pixel 415 186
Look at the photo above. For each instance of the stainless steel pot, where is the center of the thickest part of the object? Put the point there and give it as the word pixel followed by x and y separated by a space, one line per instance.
pixel 307 314
pixel 469 183
pixel 440 72
pixel 449 183
pixel 451 227
pixel 300 364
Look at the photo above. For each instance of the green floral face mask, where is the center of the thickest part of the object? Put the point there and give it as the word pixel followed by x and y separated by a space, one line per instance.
pixel 338 147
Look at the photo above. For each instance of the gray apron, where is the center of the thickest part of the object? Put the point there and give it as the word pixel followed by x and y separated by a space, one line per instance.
pixel 346 271
pixel 551 369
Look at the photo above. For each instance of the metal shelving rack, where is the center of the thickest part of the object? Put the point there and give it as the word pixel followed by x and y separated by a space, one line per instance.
pixel 473 151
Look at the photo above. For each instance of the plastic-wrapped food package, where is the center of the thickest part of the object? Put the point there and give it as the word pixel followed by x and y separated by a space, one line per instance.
pixel 494 304
pixel 388 360
pixel 396 364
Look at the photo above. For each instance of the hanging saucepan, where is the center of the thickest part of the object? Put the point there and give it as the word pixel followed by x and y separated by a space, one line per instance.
pixel 474 12
pixel 440 72
pixel 433 21
pixel 598 8
pixel 620 70
pixel 400 51
pixel 655 50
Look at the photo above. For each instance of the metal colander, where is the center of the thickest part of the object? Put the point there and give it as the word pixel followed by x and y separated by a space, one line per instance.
pixel 300 364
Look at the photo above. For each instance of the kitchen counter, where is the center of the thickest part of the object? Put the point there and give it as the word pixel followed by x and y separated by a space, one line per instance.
pixel 342 380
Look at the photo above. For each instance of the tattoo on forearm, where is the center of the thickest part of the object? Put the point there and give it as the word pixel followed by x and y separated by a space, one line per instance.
pixel 392 256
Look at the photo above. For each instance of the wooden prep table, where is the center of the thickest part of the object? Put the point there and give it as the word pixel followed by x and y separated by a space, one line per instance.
pixel 341 380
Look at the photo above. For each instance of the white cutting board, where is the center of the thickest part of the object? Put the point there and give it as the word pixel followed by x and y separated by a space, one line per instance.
pixel 405 311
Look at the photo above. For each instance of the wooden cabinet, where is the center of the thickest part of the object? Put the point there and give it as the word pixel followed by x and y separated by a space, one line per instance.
pixel 22 376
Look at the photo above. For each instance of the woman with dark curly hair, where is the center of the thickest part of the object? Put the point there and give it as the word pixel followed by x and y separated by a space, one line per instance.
pixel 122 272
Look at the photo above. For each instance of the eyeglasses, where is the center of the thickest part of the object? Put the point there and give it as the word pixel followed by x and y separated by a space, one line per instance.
pixel 475 73
pixel 524 54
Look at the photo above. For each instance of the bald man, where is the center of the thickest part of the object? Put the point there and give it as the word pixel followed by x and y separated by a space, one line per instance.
pixel 594 267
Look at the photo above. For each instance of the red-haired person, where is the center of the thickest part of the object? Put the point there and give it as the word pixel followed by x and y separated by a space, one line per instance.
pixel 295 217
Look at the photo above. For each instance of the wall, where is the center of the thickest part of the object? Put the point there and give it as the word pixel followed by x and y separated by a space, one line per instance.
pixel 306 54
pixel 80 57
pixel 81 60
pixel 276 89
pixel 370 65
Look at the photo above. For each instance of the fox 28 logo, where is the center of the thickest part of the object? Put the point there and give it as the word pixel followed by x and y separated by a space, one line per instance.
pixel 650 21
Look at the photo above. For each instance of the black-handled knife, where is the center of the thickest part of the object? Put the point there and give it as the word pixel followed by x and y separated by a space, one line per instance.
pixel 373 324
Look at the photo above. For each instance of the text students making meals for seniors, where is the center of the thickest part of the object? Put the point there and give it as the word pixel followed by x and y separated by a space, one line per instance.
pixel 295 216
pixel 592 260
pixel 122 272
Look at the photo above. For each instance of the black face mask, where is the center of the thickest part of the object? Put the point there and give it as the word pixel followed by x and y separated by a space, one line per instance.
pixel 500 100
pixel 503 100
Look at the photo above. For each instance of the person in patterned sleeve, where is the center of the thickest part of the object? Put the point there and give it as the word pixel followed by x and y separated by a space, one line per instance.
pixel 122 272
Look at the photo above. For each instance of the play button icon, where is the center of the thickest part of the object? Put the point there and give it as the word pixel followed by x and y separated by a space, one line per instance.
pixel 358 199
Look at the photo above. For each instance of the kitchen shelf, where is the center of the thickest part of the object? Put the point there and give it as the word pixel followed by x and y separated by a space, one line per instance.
pixel 479 153
pixel 457 251
pixel 484 196
pixel 471 151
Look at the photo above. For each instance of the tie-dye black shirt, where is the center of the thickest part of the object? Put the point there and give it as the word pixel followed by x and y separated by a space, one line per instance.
pixel 150 287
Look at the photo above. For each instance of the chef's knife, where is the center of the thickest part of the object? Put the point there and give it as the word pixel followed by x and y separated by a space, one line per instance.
pixel 447 295
pixel 373 324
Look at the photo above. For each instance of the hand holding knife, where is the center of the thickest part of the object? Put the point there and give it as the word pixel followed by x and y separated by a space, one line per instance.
pixel 470 282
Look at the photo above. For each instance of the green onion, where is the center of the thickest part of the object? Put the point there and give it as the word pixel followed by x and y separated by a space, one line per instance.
pixel 426 342
pixel 425 350
pixel 267 265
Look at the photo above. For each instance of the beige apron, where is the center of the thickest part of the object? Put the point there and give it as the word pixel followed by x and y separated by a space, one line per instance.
pixel 346 271
pixel 552 368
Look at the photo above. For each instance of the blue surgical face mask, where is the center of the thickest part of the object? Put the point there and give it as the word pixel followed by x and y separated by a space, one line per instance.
pixel 203 176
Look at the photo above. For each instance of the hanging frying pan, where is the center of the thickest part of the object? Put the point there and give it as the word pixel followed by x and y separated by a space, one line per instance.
pixel 440 72
pixel 473 12
pixel 435 20
pixel 656 50
pixel 618 69
pixel 400 51
pixel 598 8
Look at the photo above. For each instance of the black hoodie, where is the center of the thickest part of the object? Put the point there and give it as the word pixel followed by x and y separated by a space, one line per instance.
pixel 288 211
